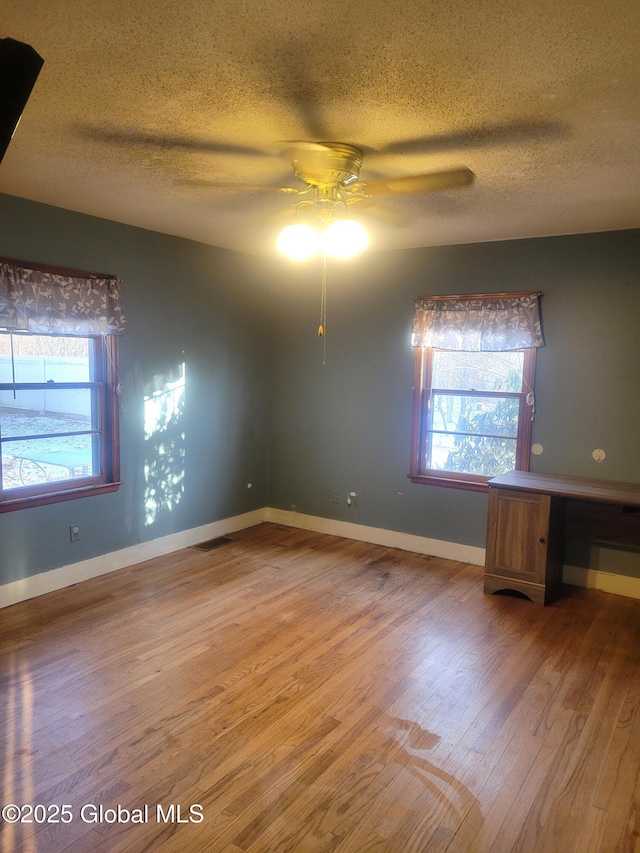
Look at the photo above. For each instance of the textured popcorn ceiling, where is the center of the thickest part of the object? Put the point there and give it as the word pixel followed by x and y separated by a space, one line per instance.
pixel 540 98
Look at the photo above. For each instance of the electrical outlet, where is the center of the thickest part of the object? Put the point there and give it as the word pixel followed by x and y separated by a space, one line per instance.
pixel 74 533
pixel 335 497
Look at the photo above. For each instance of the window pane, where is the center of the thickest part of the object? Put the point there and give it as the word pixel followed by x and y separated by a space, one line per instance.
pixel 477 371
pixel 482 415
pixel 48 410
pixel 40 461
pixel 472 454
pixel 44 358
pixel 39 456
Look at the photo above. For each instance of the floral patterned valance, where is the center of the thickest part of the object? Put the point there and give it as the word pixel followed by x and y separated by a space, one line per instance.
pixel 47 303
pixel 478 323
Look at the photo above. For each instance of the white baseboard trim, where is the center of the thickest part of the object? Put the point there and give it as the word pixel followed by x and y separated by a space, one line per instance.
pixel 588 578
pixel 606 581
pixel 379 536
pixel 30 587
pixel 40 584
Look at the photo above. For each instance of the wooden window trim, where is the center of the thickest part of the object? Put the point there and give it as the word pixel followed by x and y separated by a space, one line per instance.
pixel 58 497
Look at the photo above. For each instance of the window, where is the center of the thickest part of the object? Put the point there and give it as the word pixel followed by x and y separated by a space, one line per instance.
pixel 473 393
pixel 59 429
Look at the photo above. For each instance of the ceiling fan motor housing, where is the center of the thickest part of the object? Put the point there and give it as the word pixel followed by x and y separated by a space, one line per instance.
pixel 331 164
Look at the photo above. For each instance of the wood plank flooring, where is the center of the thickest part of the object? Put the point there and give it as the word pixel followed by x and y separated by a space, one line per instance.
pixel 302 692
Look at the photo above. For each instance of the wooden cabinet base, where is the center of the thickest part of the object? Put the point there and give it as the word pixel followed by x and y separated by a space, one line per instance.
pixel 526 527
pixel 523 544
pixel 538 593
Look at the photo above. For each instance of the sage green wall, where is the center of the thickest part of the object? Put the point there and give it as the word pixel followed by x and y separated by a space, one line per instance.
pixel 186 304
pixel 346 425
pixel 262 408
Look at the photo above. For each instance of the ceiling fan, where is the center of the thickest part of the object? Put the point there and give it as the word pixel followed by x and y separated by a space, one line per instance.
pixel 327 184
pixel 328 175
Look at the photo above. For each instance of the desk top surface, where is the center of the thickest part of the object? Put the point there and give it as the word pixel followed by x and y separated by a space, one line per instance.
pixel 571 487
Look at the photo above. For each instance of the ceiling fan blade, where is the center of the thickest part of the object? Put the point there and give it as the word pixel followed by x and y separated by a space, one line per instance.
pixel 429 182
pixel 141 139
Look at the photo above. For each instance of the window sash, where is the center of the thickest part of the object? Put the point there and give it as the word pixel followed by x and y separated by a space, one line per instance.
pixel 103 355
pixel 430 430
pixel 422 392
pixel 448 392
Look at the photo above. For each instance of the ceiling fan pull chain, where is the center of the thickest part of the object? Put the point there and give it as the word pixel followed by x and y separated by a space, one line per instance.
pixel 323 308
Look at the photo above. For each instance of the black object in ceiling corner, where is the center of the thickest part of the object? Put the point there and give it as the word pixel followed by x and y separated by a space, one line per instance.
pixel 19 69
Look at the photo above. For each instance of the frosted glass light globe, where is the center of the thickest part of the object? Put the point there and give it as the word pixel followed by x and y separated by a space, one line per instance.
pixel 344 238
pixel 298 242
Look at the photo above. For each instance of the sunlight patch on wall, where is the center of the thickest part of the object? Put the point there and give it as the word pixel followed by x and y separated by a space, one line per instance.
pixel 164 444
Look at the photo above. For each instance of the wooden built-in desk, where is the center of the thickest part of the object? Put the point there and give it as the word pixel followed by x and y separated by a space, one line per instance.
pixel 529 516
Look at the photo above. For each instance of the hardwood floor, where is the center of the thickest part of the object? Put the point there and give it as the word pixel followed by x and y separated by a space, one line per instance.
pixel 307 693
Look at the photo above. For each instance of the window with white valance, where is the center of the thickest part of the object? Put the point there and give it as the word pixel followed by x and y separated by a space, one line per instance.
pixel 59 408
pixel 473 386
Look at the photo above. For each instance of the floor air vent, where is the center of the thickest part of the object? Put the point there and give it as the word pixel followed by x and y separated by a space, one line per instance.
pixel 210 544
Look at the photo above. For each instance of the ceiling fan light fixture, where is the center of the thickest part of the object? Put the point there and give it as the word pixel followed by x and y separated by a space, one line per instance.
pixel 299 242
pixel 343 238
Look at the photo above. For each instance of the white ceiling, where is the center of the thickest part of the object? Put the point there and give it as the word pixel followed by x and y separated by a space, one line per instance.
pixel 540 98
